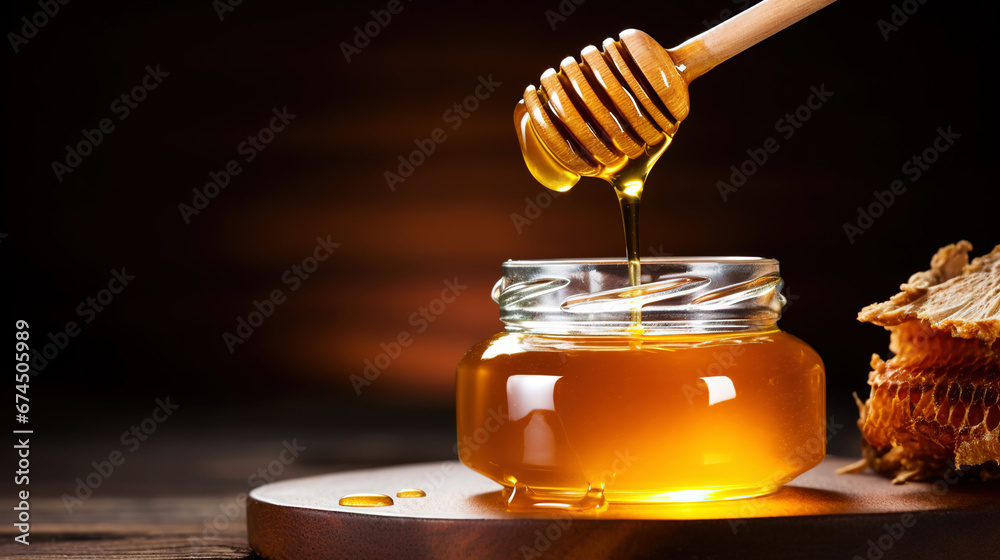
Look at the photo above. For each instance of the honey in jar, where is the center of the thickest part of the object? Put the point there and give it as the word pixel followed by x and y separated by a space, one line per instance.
pixel 573 407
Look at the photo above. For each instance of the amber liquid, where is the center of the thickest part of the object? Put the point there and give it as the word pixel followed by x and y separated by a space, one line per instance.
pixel 365 500
pixel 568 422
pixel 628 183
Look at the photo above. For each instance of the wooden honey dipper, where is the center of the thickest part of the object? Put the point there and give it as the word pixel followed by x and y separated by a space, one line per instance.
pixel 612 114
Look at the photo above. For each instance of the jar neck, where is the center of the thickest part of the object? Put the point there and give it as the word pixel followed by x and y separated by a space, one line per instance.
pixel 647 328
pixel 676 296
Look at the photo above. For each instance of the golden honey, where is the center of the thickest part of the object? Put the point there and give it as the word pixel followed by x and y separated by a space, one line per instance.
pixel 570 409
pixel 365 500
pixel 683 418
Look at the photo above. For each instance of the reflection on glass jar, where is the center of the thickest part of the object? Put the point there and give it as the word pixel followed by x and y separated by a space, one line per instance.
pixel 573 406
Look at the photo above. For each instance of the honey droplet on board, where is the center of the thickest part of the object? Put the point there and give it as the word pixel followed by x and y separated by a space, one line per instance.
pixel 411 493
pixel 366 500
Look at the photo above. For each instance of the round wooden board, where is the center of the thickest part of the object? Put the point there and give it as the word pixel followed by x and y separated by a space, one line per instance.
pixel 820 515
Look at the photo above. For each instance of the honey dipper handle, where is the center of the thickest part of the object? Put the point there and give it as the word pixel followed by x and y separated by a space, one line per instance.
pixel 698 55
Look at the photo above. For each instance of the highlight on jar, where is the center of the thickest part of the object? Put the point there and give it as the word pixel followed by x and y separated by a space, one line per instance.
pixel 570 409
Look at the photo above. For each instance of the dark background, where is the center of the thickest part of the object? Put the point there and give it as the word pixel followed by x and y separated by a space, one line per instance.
pixel 323 176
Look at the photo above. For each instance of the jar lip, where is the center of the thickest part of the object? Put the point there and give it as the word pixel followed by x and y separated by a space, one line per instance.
pixel 675 294
pixel 643 260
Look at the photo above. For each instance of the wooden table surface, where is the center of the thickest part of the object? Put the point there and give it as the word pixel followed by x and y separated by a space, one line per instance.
pixel 118 528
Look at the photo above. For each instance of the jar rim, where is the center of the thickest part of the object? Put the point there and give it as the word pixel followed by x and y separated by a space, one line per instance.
pixel 676 295
pixel 645 260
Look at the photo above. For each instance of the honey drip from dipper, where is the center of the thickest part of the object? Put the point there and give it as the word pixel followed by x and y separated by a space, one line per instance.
pixel 609 116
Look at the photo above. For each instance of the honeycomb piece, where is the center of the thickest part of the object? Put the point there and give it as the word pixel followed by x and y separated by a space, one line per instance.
pixel 934 405
pixel 954 295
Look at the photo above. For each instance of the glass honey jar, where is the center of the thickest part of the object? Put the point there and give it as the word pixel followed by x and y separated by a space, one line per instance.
pixel 681 389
